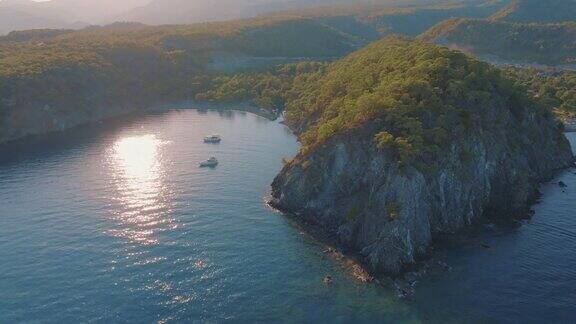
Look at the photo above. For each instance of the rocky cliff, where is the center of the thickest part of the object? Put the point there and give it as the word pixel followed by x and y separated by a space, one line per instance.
pixel 387 211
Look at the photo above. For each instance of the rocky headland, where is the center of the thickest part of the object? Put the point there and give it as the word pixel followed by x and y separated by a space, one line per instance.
pixel 403 142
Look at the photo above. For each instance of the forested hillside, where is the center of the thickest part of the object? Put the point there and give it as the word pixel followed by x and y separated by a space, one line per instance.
pixel 269 90
pixel 554 90
pixel 373 21
pixel 52 80
pixel 547 44
pixel 523 32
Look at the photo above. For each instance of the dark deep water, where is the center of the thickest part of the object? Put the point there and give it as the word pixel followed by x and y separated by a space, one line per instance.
pixel 120 225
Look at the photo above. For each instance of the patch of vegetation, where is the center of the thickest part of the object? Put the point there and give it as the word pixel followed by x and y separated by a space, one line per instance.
pixel 393 210
pixel 268 90
pixel 384 140
pixel 352 214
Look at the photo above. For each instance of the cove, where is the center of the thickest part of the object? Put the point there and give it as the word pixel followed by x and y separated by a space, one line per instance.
pixel 116 223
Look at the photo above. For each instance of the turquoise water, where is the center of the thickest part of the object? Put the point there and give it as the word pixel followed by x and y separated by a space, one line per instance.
pixel 116 223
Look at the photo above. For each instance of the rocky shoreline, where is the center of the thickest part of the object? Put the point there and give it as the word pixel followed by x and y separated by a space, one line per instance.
pixel 386 217
pixel 404 284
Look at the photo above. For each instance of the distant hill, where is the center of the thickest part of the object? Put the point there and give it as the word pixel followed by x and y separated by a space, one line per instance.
pixel 28 14
pixel 503 42
pixel 539 11
pixel 14 19
pixel 371 22
pixel 159 12
pixel 415 20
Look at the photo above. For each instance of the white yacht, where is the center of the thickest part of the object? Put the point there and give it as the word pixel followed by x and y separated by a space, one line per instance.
pixel 212 139
pixel 211 162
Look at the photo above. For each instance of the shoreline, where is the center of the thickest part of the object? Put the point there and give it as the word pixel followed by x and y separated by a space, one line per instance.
pixel 404 283
pixel 219 106
pixel 426 264
pixel 182 105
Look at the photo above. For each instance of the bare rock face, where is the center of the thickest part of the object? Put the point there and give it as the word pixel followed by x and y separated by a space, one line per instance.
pixel 389 215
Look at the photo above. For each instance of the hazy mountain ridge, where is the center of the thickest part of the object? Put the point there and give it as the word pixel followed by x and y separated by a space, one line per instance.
pixel 14 19
pixel 28 14
pixel 538 11
pixel 525 32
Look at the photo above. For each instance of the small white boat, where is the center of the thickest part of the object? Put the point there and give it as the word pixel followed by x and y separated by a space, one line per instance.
pixel 212 139
pixel 210 163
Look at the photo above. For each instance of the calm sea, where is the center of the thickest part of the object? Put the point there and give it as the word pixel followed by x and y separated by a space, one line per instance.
pixel 117 223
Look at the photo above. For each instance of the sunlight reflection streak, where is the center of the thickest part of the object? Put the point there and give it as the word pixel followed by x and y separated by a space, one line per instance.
pixel 137 169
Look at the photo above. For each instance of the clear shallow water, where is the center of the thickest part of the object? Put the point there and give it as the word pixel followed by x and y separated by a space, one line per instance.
pixel 120 225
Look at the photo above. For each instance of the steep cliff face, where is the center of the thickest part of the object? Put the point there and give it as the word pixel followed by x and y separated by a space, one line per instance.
pixel 389 212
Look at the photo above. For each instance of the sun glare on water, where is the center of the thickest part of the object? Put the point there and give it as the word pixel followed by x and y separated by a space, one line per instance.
pixel 142 195
pixel 138 160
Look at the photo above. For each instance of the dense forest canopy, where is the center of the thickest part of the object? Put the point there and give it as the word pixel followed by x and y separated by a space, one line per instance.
pixel 159 61
pixel 409 96
pixel 268 90
pixel 555 90
pixel 47 76
pixel 262 37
